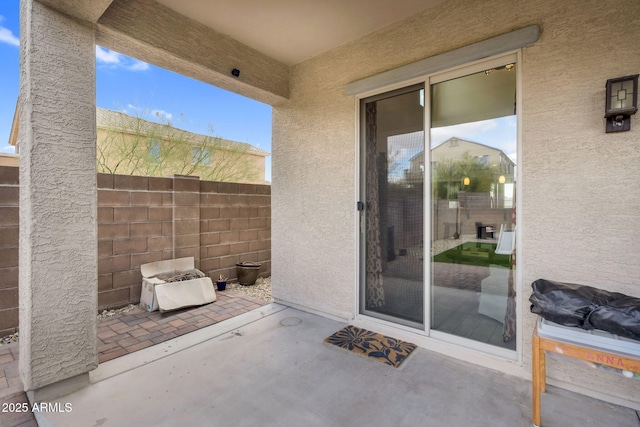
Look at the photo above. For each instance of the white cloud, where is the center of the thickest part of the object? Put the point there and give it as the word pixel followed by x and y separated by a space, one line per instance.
pixel 107 56
pixel 6 36
pixel 132 109
pixel 137 65
pixel 113 59
pixel 144 113
pixel 8 149
pixel 162 115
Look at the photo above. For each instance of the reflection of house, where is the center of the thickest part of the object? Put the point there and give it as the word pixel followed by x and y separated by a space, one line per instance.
pixel 455 148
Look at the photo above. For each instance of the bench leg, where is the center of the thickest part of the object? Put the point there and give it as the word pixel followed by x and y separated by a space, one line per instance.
pixel 537 380
pixel 543 370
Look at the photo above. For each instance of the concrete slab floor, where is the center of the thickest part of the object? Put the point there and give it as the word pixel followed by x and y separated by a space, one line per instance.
pixel 271 367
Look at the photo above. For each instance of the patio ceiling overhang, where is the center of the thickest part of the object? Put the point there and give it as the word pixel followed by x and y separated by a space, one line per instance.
pixel 156 34
pixel 291 31
pixel 206 40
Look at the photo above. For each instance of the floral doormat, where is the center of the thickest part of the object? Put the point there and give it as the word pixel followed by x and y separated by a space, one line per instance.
pixel 379 347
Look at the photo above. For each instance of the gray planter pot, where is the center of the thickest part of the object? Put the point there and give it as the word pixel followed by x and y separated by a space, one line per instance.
pixel 247 272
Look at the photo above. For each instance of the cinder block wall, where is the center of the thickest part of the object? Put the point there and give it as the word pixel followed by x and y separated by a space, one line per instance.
pixel 9 201
pixel 235 226
pixel 135 226
pixel 146 219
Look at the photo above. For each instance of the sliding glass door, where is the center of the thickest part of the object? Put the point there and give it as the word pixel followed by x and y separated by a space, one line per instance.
pixel 392 218
pixel 473 140
pixel 437 226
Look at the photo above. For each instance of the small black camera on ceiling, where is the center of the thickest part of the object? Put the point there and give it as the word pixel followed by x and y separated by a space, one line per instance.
pixel 235 72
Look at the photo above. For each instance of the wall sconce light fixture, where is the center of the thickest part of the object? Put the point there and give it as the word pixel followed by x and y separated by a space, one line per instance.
pixel 621 103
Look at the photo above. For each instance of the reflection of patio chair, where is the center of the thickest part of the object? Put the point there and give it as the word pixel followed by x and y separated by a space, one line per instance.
pixel 494 289
pixel 506 241
pixel 493 295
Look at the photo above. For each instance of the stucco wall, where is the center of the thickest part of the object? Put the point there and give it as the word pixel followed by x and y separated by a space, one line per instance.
pixel 58 209
pixel 579 203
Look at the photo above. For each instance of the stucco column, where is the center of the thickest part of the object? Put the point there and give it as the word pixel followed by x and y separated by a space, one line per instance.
pixel 58 239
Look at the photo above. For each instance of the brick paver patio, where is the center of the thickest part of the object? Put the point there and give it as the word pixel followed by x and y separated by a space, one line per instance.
pixel 122 334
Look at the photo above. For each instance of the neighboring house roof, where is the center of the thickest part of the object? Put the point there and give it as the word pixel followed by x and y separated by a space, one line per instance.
pixel 464 142
pixel 115 120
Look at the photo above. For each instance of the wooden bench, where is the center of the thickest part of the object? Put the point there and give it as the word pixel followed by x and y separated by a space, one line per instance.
pixel 600 353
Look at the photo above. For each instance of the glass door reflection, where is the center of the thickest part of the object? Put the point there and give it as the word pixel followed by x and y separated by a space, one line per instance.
pixel 473 152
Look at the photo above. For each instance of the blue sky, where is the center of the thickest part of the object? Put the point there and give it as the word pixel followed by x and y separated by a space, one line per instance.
pixel 129 85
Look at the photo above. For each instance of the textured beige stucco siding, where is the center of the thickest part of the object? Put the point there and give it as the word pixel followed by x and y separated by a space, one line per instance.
pixel 58 208
pixel 580 208
pixel 580 205
pixel 313 168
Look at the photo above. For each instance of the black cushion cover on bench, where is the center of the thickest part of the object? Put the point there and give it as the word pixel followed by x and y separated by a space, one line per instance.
pixel 586 307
